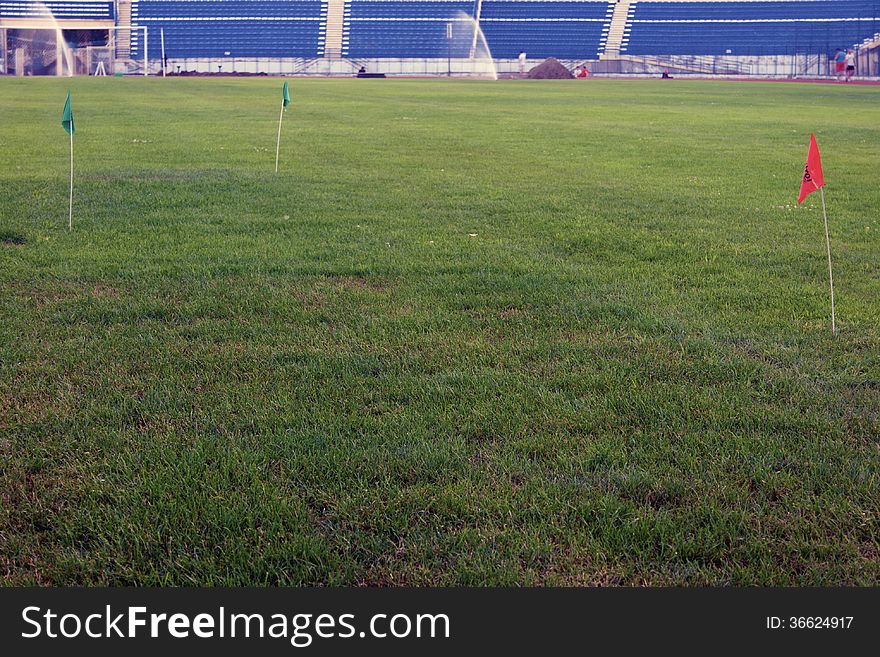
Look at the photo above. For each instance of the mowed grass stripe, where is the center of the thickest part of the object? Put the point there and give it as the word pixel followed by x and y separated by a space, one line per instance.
pixel 472 333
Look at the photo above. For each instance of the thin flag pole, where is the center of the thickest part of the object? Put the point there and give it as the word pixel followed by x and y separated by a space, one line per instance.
pixel 278 144
pixel 830 274
pixel 162 37
pixel 70 219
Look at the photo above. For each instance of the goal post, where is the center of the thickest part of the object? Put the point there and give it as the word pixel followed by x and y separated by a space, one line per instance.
pixel 125 39
pixel 33 47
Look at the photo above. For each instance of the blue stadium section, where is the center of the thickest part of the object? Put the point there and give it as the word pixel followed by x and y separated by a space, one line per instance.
pixel 61 9
pixel 530 10
pixel 541 28
pixel 790 9
pixel 437 9
pixel 565 30
pixel 211 9
pixel 230 28
pixel 398 39
pixel 560 39
pixel 399 29
pixel 748 28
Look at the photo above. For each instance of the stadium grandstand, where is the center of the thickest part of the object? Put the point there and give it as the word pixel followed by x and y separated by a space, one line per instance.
pixel 747 37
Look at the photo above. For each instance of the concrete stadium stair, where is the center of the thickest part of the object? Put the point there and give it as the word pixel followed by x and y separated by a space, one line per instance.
pixel 616 30
pixel 873 42
pixel 333 29
pixel 123 35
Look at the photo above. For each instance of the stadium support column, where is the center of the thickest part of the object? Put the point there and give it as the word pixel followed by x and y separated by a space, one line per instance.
pixel 19 62
pixel 146 53
pixel 478 12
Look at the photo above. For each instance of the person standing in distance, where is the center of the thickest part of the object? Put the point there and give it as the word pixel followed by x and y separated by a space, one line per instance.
pixel 522 64
pixel 839 64
pixel 850 64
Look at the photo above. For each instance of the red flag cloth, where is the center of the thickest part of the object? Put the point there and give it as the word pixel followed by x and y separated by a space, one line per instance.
pixel 813 178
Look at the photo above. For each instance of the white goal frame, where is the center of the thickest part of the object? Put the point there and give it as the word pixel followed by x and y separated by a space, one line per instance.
pixel 132 29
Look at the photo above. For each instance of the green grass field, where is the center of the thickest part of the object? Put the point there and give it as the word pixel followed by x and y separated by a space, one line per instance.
pixel 472 333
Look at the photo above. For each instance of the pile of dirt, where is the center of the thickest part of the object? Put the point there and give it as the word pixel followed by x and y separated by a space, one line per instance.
pixel 10 238
pixel 549 69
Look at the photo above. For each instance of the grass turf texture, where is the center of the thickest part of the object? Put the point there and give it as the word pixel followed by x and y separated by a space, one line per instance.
pixel 472 333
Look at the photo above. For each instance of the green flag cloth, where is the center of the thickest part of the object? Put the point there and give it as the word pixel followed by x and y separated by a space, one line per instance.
pixel 285 95
pixel 67 117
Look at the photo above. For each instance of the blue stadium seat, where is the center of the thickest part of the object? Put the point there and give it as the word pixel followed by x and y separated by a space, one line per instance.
pixel 542 28
pixel 748 28
pixel 538 9
pixel 230 28
pixel 402 9
pixel 398 29
pixel 567 29
pixel 60 9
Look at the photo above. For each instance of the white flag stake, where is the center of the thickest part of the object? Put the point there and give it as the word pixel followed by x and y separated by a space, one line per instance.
pixel 68 125
pixel 70 219
pixel 278 145
pixel 813 177
pixel 830 274
pixel 285 101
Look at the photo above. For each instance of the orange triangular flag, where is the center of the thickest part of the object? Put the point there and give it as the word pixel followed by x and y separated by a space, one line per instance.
pixel 813 178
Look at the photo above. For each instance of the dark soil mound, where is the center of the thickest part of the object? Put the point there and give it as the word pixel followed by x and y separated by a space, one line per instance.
pixel 9 238
pixel 549 69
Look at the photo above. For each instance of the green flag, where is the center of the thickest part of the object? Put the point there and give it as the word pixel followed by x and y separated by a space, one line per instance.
pixel 67 117
pixel 285 95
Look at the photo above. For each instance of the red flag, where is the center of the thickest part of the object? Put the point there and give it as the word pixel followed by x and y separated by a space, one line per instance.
pixel 813 178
